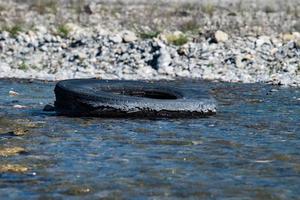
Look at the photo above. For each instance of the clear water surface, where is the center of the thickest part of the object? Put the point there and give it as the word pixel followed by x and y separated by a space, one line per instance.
pixel 249 150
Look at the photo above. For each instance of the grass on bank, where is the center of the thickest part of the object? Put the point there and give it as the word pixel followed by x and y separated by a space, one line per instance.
pixel 23 66
pixel 63 30
pixel 13 30
pixel 177 39
pixel 149 34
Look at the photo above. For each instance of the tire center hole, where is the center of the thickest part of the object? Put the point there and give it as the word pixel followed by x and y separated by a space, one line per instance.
pixel 152 94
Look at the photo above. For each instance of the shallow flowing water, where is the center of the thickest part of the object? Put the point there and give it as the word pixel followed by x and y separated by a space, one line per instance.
pixel 249 150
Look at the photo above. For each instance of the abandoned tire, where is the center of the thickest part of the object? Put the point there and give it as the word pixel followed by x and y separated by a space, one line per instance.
pixel 114 98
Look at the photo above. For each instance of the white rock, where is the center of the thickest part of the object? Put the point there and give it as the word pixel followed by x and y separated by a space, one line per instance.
pixel 26 38
pixel 13 93
pixel 221 36
pixel 81 55
pixel 63 45
pixel 41 29
pixel 116 38
pixel 262 40
pixel 177 33
pixel 296 35
pixel 76 31
pixel 19 106
pixel 100 30
pixel 4 69
pixel 274 51
pixel 5 34
pixel 288 37
pixel 182 73
pixel 43 48
pixel 31 34
pixel 128 36
pixel 183 50
pixel 72 27
pixel 164 61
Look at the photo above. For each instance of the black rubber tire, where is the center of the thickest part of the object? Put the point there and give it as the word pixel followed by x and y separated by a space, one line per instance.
pixel 114 98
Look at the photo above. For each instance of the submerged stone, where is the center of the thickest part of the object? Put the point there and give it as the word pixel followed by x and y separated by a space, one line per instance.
pixel 13 168
pixel 11 151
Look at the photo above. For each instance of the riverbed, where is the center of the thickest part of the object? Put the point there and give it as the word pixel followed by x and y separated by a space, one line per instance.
pixel 248 150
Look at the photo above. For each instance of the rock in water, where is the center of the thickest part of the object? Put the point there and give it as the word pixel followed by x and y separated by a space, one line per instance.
pixel 49 108
pixel 13 93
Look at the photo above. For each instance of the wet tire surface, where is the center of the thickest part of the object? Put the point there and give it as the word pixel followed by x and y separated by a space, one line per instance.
pixel 248 150
pixel 113 98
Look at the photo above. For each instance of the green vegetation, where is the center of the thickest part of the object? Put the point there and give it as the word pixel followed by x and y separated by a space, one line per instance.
pixel 149 34
pixel 63 31
pixel 177 39
pixel 13 30
pixel 23 66
pixel 210 65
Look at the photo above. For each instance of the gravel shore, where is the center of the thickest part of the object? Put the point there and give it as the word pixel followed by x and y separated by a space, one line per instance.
pixel 116 40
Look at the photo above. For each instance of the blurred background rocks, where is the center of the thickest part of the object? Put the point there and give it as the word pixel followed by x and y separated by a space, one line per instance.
pixel 234 40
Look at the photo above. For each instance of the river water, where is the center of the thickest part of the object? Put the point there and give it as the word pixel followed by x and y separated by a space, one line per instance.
pixel 249 150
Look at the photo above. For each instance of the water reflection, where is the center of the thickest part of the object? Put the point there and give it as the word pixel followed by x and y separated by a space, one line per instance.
pixel 249 150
